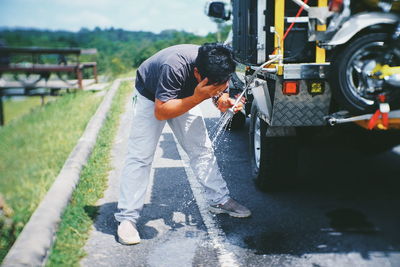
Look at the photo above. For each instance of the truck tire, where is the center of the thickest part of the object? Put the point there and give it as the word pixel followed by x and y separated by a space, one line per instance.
pixel 273 159
pixel 348 74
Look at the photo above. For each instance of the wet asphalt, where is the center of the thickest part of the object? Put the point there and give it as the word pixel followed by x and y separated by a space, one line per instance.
pixel 342 211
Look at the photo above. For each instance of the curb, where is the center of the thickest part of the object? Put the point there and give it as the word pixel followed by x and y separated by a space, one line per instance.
pixel 34 242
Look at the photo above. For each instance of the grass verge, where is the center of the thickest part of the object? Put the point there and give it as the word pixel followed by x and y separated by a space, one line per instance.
pixel 19 106
pixel 33 149
pixel 80 214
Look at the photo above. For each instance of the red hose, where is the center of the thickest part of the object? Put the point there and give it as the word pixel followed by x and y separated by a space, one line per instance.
pixel 291 25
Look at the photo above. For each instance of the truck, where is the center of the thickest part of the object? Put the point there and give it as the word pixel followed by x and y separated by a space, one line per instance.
pixel 310 65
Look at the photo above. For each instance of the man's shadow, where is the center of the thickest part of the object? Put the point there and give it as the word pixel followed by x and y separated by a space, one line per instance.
pixel 171 195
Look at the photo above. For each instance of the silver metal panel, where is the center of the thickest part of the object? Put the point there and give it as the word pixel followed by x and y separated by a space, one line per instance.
pixel 358 22
pixel 297 19
pixel 305 71
pixel 262 98
pixel 292 71
pixel 319 13
pixel 261 6
pixel 302 109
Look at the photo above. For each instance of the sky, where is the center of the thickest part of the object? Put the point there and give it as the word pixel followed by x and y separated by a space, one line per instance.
pixel 72 15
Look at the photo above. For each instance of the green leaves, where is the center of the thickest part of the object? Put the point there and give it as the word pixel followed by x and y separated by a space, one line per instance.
pixel 118 50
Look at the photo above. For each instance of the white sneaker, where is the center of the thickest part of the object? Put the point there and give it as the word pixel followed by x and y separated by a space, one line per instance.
pixel 127 233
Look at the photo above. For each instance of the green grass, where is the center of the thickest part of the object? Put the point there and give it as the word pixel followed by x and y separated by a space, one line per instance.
pixel 33 149
pixel 15 108
pixel 80 214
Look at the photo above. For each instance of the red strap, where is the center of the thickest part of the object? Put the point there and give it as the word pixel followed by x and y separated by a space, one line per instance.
pixel 374 119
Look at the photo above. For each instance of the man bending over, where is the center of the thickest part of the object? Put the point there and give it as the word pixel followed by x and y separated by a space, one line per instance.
pixel 169 87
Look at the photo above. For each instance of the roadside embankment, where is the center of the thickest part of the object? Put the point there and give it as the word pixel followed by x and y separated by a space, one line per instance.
pixel 37 236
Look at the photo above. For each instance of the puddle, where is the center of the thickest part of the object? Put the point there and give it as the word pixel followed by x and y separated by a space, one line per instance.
pixel 269 243
pixel 349 220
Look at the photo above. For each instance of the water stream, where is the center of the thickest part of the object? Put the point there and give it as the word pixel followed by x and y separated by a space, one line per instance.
pixel 226 118
pixel 220 127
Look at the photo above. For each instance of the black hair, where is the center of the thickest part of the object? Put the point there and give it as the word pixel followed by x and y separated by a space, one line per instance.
pixel 215 62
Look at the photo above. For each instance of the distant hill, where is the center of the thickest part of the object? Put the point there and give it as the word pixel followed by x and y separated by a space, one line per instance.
pixel 118 50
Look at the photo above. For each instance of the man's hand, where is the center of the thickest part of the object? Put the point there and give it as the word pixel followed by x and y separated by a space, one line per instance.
pixel 204 91
pixel 225 102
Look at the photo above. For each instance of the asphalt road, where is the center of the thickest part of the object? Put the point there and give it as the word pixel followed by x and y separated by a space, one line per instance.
pixel 343 211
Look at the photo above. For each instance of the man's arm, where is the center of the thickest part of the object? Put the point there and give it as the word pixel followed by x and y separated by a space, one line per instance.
pixel 176 107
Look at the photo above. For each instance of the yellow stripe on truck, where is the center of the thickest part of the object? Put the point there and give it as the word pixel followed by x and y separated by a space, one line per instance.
pixel 320 56
pixel 279 26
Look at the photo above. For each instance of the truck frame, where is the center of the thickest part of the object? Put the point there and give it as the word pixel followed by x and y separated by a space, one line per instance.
pixel 291 93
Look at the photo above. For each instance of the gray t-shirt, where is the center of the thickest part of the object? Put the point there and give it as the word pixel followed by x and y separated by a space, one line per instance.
pixel 168 74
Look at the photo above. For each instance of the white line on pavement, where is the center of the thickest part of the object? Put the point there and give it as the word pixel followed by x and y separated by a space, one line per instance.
pixel 226 257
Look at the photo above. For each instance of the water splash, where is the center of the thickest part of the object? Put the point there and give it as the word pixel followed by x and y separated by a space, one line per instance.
pixel 220 127
pixel 226 118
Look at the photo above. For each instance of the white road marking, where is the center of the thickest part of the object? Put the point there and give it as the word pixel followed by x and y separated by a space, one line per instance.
pixel 175 250
pixel 226 257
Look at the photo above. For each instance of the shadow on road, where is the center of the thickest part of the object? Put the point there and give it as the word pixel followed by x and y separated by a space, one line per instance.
pixel 172 206
pixel 345 199
pixel 169 150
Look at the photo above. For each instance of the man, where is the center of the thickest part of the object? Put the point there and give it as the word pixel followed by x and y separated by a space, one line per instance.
pixel 170 85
